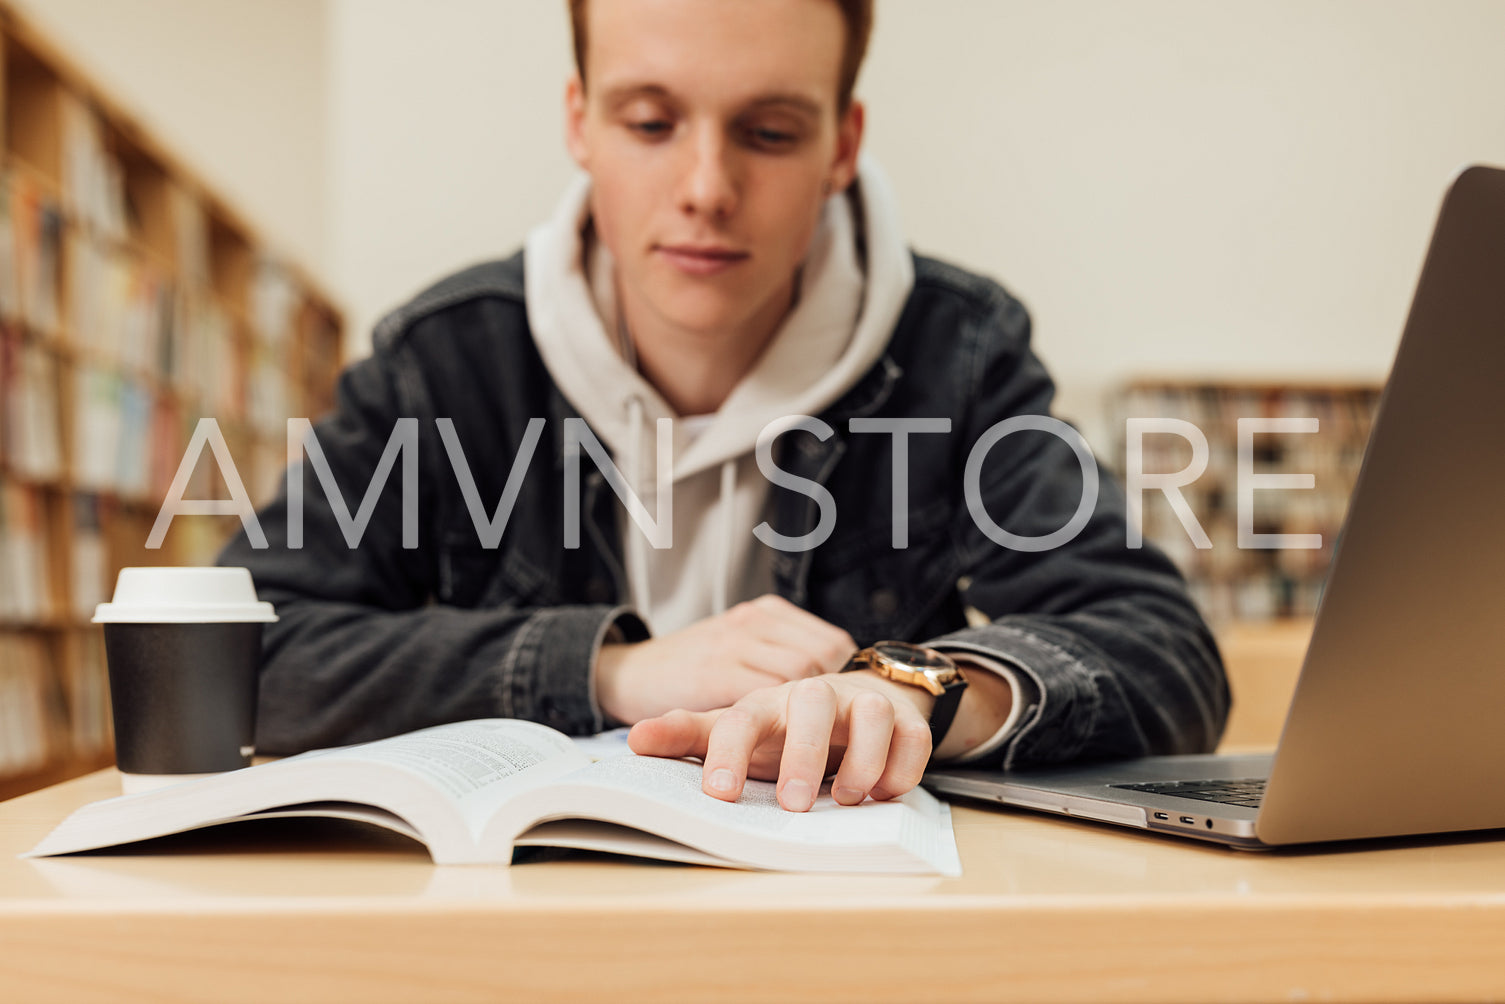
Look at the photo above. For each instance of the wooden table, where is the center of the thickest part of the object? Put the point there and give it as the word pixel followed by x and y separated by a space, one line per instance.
pixel 1263 660
pixel 1047 910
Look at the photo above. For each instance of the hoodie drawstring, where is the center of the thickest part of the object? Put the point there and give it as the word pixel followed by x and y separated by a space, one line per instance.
pixel 721 586
pixel 637 554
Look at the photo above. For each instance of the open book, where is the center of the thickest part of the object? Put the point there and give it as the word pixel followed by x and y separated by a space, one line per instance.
pixel 472 791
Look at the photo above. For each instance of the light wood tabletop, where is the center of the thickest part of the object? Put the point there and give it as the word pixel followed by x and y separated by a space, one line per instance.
pixel 1263 660
pixel 1046 910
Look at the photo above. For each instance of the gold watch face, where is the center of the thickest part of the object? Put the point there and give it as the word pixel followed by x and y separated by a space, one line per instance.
pixel 912 656
pixel 914 664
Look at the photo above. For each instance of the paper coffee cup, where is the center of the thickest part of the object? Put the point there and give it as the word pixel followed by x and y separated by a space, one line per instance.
pixel 183 646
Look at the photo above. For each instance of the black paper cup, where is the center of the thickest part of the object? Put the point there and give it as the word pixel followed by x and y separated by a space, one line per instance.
pixel 183 646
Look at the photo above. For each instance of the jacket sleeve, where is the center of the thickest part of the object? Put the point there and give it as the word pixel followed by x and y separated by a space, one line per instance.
pixel 1121 662
pixel 361 649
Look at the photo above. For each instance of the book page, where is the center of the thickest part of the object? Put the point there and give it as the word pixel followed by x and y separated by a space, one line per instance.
pixel 679 782
pixel 478 765
pixel 664 797
pixel 442 782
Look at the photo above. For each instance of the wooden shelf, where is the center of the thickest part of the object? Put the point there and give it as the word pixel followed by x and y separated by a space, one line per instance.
pixel 54 773
pixel 153 276
pixel 1229 581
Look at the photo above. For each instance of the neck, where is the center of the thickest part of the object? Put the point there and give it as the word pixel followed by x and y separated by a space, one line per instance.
pixel 697 370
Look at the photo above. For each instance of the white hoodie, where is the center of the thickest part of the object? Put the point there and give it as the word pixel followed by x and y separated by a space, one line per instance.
pixel 846 310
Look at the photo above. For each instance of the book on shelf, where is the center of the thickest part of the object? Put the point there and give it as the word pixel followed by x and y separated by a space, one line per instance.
pixel 190 236
pixel 93 182
pixel 169 437
pixel 204 365
pixel 29 398
pixel 89 730
pixel 10 289
pixel 24 718
pixel 36 225
pixel 25 585
pixel 117 306
pixel 133 459
pixel 267 406
pixel 126 436
pixel 88 586
pixel 474 791
pixel 274 299
pixel 112 432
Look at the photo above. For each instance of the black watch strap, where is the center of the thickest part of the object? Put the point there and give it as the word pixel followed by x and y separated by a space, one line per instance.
pixel 943 712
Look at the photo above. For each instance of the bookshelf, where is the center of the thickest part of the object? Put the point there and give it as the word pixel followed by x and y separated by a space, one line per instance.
pixel 133 301
pixel 1231 583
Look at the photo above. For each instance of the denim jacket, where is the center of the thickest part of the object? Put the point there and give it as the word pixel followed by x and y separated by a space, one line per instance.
pixel 380 638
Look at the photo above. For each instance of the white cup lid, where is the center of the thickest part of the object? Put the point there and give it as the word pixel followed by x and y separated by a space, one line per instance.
pixel 183 596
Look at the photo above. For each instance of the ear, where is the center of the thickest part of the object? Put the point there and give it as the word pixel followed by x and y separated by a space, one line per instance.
pixel 574 121
pixel 848 143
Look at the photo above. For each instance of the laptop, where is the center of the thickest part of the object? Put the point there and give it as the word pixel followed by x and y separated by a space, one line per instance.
pixel 1397 724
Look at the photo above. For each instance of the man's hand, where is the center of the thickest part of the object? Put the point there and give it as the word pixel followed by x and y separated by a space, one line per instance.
pixel 714 662
pixel 876 731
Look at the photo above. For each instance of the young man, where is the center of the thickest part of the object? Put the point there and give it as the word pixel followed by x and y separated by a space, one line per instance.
pixel 853 431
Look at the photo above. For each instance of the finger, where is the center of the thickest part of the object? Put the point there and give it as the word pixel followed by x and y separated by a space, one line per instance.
pixel 730 745
pixel 673 734
pixel 908 753
pixel 870 729
pixel 807 743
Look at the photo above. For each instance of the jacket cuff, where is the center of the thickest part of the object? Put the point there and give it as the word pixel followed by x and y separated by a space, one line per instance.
pixel 1066 698
pixel 546 674
pixel 1023 698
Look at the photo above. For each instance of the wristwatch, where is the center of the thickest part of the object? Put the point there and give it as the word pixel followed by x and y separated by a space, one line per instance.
pixel 922 667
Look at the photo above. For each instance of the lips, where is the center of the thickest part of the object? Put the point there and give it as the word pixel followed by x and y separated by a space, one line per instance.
pixel 701 259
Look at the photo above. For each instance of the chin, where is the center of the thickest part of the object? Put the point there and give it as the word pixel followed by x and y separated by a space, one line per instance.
pixel 708 323
pixel 705 310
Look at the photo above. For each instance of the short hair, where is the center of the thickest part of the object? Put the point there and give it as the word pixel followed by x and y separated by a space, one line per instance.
pixel 856 14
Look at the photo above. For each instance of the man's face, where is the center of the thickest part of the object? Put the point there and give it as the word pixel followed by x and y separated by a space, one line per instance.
pixel 711 135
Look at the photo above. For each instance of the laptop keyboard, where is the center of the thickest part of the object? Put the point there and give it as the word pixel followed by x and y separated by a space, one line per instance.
pixel 1245 791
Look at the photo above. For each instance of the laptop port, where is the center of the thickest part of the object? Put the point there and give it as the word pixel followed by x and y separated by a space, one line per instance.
pixel 1161 815
pixel 1189 820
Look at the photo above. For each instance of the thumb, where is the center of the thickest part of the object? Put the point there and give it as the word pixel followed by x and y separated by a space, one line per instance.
pixel 674 734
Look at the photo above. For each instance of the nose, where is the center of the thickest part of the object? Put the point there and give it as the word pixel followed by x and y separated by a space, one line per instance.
pixel 709 186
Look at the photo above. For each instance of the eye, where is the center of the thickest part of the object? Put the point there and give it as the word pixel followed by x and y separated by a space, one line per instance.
pixel 773 137
pixel 651 128
pixel 770 138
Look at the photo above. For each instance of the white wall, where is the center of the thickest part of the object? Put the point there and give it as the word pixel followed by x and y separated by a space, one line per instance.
pixel 238 89
pixel 447 140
